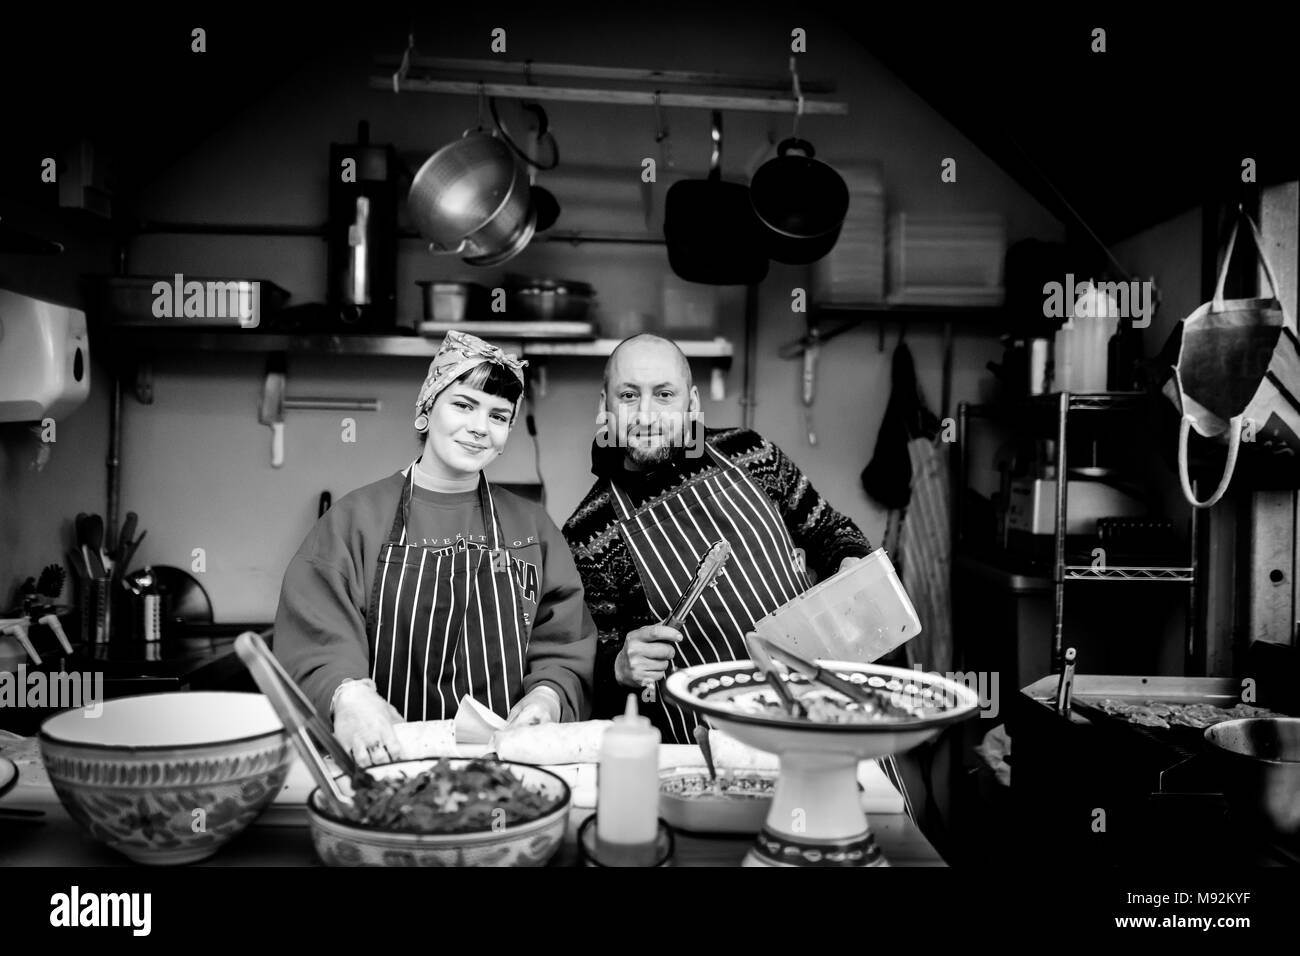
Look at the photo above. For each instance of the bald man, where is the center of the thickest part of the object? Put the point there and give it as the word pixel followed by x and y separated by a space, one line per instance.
pixel 666 489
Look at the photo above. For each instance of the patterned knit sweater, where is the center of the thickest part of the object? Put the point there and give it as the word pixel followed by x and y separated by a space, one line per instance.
pixel 610 581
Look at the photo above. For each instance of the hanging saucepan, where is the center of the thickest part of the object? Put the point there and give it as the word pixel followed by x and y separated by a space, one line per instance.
pixel 544 201
pixel 712 234
pixel 471 198
pixel 800 201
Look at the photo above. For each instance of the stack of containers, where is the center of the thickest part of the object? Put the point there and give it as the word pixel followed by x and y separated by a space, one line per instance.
pixel 946 259
pixel 854 271
pixel 860 614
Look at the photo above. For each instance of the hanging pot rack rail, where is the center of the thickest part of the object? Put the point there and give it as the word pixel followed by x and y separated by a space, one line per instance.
pixel 158 227
pixel 702 101
pixel 528 71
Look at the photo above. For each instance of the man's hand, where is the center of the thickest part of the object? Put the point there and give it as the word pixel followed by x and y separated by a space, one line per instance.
pixel 363 722
pixel 645 654
pixel 848 561
pixel 541 705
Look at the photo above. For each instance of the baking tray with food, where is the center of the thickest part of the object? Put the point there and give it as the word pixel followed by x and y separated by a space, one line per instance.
pixel 1170 712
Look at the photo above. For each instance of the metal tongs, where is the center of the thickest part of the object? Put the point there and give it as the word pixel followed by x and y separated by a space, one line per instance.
pixel 758 651
pixel 706 574
pixel 816 673
pixel 301 719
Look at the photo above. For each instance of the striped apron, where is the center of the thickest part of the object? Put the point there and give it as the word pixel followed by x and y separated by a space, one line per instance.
pixel 440 626
pixel 667 539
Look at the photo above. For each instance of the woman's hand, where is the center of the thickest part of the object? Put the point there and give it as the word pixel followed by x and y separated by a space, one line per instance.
pixel 848 561
pixel 363 722
pixel 541 705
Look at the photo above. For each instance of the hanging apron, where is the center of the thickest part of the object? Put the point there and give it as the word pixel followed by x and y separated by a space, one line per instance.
pixel 668 539
pixel 440 626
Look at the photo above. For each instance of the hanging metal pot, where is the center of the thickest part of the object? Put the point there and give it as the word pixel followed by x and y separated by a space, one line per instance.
pixel 471 198
pixel 801 201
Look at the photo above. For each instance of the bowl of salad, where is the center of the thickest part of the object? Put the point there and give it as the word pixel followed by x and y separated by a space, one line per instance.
pixel 445 812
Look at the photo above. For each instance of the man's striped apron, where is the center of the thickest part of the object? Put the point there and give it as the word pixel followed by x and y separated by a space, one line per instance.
pixel 440 626
pixel 667 540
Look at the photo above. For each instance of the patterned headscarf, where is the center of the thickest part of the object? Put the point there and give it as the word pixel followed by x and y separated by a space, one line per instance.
pixel 459 353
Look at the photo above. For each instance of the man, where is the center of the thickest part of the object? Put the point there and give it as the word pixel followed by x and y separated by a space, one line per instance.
pixel 666 489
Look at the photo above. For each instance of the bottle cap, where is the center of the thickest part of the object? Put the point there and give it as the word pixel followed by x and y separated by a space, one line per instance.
pixel 630 718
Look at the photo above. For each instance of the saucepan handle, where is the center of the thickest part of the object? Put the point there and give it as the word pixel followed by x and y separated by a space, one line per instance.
pixel 802 145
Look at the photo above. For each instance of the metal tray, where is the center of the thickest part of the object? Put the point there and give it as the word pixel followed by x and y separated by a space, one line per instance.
pixel 1184 742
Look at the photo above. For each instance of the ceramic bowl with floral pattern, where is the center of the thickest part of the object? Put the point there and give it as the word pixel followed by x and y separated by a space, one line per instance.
pixel 531 842
pixel 167 779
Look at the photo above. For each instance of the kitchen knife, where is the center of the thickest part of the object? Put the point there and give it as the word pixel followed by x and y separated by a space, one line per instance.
pixel 272 410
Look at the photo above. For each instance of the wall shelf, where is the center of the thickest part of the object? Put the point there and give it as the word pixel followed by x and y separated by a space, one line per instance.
pixel 134 347
pixel 134 340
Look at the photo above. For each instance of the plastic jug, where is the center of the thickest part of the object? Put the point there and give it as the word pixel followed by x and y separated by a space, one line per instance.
pixel 859 614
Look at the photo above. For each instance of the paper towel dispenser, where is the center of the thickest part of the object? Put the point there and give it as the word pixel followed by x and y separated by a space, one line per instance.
pixel 44 359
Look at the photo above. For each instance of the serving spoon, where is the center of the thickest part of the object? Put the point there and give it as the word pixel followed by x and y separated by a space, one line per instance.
pixel 702 738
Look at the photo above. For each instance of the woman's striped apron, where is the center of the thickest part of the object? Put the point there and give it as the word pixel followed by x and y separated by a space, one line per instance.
pixel 668 538
pixel 440 626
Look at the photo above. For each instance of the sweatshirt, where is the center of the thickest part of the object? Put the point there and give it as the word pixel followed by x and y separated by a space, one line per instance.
pixel 320 625
pixel 613 588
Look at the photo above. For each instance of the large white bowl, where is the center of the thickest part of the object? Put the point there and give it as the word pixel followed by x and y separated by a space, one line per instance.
pixel 816 817
pixel 533 842
pixel 167 778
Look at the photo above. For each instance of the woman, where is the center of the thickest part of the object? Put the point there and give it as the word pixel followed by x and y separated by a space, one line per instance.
pixel 429 585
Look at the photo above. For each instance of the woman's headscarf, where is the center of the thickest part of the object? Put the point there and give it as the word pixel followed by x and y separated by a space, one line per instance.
pixel 459 353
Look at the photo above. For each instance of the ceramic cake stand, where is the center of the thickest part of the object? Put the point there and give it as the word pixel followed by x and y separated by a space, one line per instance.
pixel 816 817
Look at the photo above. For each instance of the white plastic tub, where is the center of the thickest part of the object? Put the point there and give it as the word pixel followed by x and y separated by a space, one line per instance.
pixel 859 614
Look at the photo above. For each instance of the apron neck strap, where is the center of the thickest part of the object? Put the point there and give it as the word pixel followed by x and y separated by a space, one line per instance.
pixel 623 504
pixel 486 502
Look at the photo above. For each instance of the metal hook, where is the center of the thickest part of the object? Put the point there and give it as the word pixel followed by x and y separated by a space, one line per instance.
pixel 405 67
pixel 716 134
pixel 661 134
pixel 798 94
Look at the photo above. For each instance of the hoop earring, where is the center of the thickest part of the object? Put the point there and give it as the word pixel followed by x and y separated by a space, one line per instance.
pixel 422 422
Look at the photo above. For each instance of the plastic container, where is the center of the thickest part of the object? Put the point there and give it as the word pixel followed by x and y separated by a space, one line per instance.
pixel 627 802
pixel 740 802
pixel 859 614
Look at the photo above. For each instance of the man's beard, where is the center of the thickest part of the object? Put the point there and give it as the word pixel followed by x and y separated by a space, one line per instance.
pixel 668 447
pixel 650 457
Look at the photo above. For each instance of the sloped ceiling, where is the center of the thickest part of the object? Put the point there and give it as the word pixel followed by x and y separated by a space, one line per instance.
pixel 1122 139
pixel 1158 123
